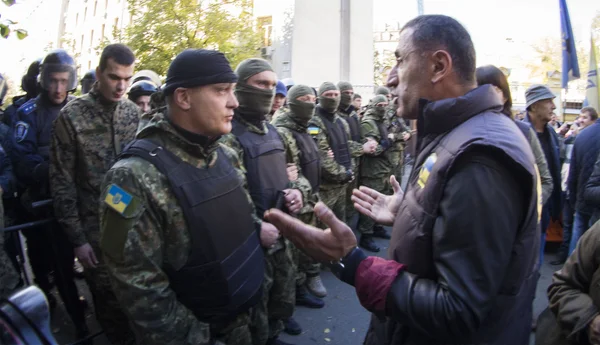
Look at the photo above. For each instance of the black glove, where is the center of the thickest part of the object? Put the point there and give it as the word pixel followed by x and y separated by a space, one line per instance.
pixel 349 176
pixel 385 144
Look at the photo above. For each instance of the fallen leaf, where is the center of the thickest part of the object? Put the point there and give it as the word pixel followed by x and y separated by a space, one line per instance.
pixel 327 330
pixel 353 330
pixel 327 339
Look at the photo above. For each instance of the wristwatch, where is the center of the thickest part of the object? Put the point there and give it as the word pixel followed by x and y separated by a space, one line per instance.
pixel 345 268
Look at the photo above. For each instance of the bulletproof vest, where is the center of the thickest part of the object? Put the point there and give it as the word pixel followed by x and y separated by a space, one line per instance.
pixel 310 163
pixel 265 163
pixel 354 127
pixel 224 271
pixel 413 230
pixel 338 140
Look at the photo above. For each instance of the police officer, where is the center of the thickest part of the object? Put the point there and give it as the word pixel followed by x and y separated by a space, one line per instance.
pixel 9 278
pixel 140 92
pixel 88 80
pixel 148 75
pixel 172 178
pixel 48 247
pixel 29 84
pixel 263 154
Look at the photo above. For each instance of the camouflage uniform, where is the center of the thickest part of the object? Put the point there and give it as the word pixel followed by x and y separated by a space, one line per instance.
pixel 87 136
pixel 356 151
pixel 285 125
pixel 9 278
pixel 333 175
pixel 279 286
pixel 152 233
pixel 398 128
pixel 376 168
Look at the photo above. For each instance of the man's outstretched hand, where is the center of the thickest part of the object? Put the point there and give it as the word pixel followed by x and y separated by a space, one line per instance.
pixel 380 207
pixel 327 245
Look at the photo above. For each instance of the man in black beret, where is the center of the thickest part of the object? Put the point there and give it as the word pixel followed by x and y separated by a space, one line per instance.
pixel 180 235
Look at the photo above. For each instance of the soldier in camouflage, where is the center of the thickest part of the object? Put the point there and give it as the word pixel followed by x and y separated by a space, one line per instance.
pixel 88 135
pixel 263 154
pixel 330 132
pixel 377 167
pixel 348 114
pixel 9 278
pixel 399 133
pixel 148 241
pixel 292 124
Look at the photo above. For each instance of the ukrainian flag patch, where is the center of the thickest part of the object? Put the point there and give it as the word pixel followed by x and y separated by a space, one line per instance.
pixel 314 130
pixel 426 170
pixel 117 198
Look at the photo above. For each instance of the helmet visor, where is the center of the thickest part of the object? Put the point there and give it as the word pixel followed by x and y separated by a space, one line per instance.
pixel 51 74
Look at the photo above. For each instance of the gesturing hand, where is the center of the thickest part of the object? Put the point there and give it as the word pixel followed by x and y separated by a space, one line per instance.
pixel 380 207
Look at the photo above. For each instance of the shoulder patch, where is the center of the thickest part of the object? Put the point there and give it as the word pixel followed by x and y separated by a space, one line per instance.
pixel 426 169
pixel 21 130
pixel 117 199
pixel 28 107
pixel 314 130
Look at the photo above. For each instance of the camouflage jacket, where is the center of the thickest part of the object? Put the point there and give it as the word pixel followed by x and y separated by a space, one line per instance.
pixel 151 233
pixel 285 125
pixel 88 135
pixel 356 148
pixel 376 164
pixel 332 173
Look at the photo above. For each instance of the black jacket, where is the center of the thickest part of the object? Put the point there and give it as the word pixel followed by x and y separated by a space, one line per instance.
pixel 466 231
pixel 585 154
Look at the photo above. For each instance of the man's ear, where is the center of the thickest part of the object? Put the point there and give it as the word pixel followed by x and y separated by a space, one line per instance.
pixel 441 66
pixel 181 98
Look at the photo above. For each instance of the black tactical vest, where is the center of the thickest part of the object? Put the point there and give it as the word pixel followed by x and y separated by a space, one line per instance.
pixel 310 163
pixel 338 140
pixel 265 163
pixel 224 272
pixel 354 127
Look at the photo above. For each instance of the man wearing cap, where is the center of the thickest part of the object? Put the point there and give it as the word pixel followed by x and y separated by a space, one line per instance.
pixel 173 190
pixel 351 123
pixel 585 152
pixel 292 125
pixel 263 154
pixel 540 107
pixel 88 135
pixel 278 101
pixel 329 132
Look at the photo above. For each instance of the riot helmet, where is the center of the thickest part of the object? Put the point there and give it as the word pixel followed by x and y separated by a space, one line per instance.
pixel 3 89
pixel 88 80
pixel 141 88
pixel 29 80
pixel 58 61
pixel 147 74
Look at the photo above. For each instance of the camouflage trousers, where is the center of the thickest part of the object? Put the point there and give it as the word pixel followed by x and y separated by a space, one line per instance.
pixel 109 314
pixel 382 185
pixel 350 210
pixel 397 160
pixel 236 333
pixel 305 265
pixel 278 299
pixel 9 278
pixel 335 199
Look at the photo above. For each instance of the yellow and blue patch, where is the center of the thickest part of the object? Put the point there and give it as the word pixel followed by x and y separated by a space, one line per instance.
pixel 426 170
pixel 117 198
pixel 314 130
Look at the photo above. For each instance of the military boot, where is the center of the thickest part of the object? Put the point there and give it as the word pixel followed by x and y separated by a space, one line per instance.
pixel 366 241
pixel 292 327
pixel 315 286
pixel 379 231
pixel 304 298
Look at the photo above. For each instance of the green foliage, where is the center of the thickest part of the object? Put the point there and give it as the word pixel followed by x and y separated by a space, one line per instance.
pixel 382 65
pixel 161 29
pixel 7 25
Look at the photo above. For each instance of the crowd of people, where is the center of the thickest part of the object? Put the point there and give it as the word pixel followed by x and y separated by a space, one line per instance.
pixel 202 208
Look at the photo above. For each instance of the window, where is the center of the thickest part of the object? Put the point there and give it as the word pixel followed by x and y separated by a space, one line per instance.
pixel 91 38
pixel 102 34
pixel 95 7
pixel 265 27
pixel 84 14
pixel 76 19
pixel 81 44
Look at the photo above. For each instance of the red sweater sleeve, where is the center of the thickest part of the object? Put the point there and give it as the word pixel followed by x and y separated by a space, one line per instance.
pixel 373 280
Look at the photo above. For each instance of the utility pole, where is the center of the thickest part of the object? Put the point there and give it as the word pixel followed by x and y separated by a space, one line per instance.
pixel 420 7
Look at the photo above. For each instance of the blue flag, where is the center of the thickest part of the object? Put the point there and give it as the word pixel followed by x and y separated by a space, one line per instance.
pixel 570 65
